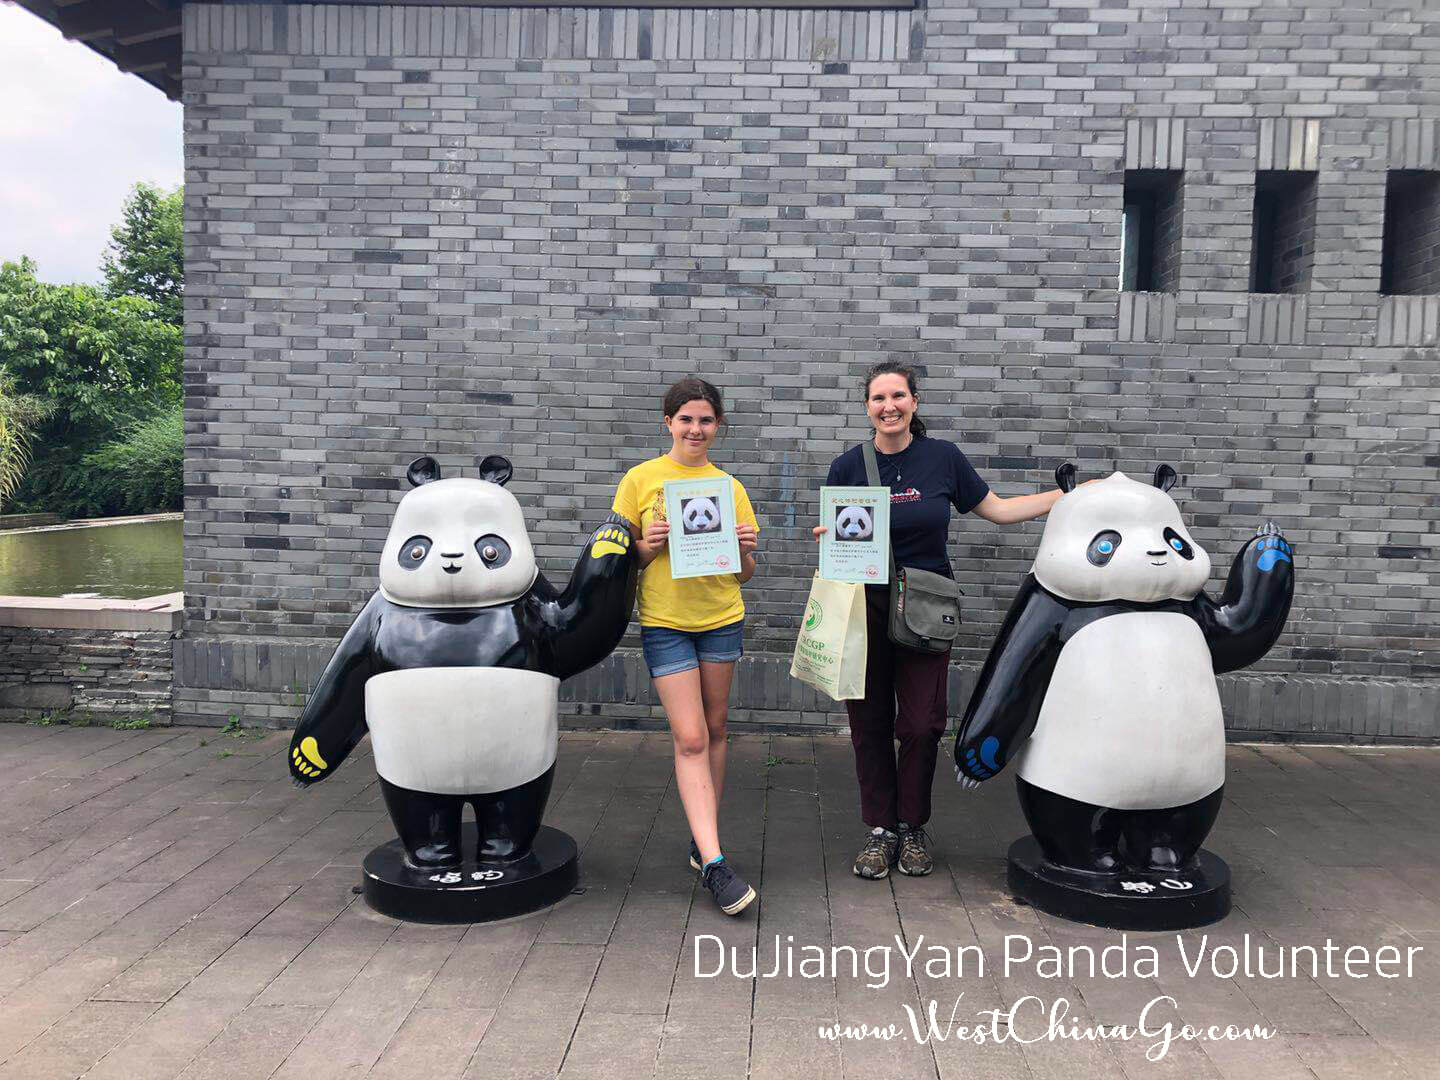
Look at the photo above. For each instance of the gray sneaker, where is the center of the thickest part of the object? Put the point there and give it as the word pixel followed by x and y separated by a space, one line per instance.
pixel 694 855
pixel 914 859
pixel 878 854
pixel 731 893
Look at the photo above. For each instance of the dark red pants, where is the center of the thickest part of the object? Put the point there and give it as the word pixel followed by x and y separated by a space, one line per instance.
pixel 904 698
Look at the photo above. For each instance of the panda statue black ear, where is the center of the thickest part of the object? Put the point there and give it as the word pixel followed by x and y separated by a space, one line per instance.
pixel 1065 477
pixel 423 470
pixel 1164 478
pixel 496 469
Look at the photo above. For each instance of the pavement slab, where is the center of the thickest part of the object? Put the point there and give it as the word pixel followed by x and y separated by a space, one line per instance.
pixel 171 907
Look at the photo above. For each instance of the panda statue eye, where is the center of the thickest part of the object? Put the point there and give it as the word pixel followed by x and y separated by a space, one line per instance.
pixel 413 551
pixel 493 551
pixel 1103 547
pixel 1178 545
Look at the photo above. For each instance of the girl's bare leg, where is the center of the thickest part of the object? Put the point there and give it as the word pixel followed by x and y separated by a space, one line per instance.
pixel 680 694
pixel 715 680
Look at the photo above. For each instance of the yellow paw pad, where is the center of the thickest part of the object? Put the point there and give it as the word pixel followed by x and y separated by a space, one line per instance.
pixel 610 541
pixel 306 758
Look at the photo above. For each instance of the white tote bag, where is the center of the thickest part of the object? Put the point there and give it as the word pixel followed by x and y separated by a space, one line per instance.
pixel 830 651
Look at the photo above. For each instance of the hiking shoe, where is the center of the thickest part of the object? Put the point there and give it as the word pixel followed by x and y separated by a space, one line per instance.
pixel 732 894
pixel 914 859
pixel 694 856
pixel 878 854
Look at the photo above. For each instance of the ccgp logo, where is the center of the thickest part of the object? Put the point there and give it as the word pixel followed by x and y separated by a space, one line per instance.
pixel 813 615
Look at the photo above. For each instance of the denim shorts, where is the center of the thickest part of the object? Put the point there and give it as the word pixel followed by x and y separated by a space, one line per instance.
pixel 668 652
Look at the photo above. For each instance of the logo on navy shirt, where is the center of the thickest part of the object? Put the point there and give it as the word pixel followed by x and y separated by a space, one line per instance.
pixel 908 495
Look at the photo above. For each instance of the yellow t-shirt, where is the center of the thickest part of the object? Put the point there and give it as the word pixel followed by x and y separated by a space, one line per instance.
pixel 692 604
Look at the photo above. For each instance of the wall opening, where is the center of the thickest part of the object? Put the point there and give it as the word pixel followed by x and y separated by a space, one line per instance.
pixel 1282 243
pixel 1151 230
pixel 1410 251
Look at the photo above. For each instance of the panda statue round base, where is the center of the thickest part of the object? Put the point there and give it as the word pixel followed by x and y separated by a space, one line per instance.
pixel 475 891
pixel 1130 900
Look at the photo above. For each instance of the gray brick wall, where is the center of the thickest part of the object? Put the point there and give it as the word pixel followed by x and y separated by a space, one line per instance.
pixel 468 231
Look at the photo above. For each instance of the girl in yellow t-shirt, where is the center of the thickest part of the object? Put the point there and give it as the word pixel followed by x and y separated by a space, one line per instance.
pixel 690 629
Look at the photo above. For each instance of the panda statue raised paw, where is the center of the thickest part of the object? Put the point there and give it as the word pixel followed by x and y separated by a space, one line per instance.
pixel 454 667
pixel 1101 688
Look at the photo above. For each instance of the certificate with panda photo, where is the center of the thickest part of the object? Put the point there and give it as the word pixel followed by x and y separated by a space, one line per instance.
pixel 702 527
pixel 856 544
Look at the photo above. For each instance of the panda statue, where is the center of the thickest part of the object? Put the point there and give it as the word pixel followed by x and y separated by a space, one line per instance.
pixel 854 523
pixel 454 667
pixel 1101 688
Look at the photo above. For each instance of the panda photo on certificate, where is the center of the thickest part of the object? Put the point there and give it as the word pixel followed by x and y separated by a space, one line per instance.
pixel 855 546
pixel 705 542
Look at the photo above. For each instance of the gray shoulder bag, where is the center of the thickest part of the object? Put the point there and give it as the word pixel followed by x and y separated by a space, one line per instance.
pixel 924 606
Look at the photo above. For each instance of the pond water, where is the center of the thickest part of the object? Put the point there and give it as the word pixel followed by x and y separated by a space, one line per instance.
pixel 114 561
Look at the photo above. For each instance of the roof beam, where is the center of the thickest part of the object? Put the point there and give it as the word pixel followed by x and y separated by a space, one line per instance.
pixel 130 22
pixel 147 56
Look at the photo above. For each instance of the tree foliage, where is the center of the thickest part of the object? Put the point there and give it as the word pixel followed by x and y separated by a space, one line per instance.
pixel 103 361
pixel 103 364
pixel 90 377
pixel 146 256
pixel 20 416
pixel 141 472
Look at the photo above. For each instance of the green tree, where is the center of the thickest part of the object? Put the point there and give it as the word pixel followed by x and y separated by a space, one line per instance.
pixel 146 256
pixel 104 362
pixel 20 415
pixel 142 471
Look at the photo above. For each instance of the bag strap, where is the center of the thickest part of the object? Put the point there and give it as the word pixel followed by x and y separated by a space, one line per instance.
pixel 872 474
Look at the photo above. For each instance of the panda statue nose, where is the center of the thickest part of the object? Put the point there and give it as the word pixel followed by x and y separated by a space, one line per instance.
pixel 1162 551
pixel 452 555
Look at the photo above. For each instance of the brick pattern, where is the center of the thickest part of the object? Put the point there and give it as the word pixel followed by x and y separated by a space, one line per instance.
pixel 408 251
pixel 1155 143
pixel 1414 143
pixel 96 674
pixel 1409 320
pixel 1287 144
pixel 1146 316
pixel 536 33
pixel 618 693
pixel 1278 318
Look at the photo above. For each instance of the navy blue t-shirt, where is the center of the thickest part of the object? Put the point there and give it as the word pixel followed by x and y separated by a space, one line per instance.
pixel 925 479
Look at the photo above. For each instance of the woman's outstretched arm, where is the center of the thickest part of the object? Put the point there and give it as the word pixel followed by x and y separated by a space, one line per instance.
pixel 1003 511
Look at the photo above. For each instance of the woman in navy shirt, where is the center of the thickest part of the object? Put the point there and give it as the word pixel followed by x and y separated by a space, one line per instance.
pixel 905 690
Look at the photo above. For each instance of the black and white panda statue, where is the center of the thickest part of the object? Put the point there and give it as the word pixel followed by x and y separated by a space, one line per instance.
pixel 454 667
pixel 1101 688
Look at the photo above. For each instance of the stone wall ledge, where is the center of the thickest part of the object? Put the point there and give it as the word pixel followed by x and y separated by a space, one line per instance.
pixel 150 613
pixel 10 522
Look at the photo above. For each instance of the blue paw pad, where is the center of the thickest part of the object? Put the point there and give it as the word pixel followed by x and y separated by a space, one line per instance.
pixel 986 763
pixel 1273 549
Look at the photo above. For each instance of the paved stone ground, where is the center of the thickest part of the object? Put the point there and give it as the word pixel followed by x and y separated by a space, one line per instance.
pixel 171 906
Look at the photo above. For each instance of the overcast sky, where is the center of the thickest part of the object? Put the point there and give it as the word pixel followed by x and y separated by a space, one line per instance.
pixel 75 135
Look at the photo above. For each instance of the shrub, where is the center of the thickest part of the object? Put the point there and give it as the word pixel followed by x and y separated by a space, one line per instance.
pixel 142 471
